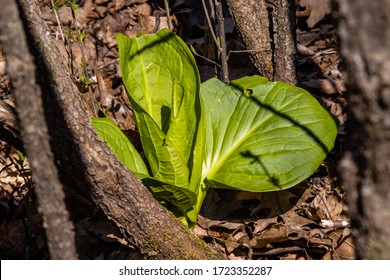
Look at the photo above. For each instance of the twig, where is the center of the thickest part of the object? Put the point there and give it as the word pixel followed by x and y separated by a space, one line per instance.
pixel 210 24
pixel 116 60
pixel 241 51
pixel 157 14
pixel 168 14
pixel 222 48
pixel 79 40
pixel 59 23
pixel 279 251
pixel 212 9
pixel 205 58
pixel 334 224
pixel 67 46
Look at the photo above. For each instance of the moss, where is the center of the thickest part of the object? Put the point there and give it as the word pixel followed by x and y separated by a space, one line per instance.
pixel 200 250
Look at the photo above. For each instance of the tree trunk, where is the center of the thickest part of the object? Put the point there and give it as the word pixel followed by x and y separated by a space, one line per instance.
pixel 365 45
pixel 28 96
pixel 88 166
pixel 268 31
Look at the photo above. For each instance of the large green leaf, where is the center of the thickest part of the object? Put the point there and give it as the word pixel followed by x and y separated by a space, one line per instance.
pixel 110 133
pixel 162 82
pixel 263 136
pixel 159 73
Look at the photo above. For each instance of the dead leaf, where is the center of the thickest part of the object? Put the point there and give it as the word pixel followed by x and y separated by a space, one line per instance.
pixel 274 233
pixel 104 97
pixel 345 249
pixel 318 9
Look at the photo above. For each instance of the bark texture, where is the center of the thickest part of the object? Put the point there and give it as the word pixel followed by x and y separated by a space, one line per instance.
pixel 88 166
pixel 28 97
pixel 365 44
pixel 268 31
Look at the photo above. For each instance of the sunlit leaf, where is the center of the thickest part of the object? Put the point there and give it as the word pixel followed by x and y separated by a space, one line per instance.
pixel 263 136
pixel 162 82
pixel 110 133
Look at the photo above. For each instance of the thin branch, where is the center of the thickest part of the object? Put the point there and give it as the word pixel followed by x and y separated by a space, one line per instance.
pixel 58 23
pixel 222 48
pixel 166 3
pixel 210 24
pixel 242 51
pixel 79 41
pixel 205 58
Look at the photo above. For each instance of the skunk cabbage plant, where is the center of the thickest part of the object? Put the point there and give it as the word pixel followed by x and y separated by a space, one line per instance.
pixel 251 134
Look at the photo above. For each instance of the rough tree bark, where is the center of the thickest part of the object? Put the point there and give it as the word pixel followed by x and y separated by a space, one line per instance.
pixel 59 230
pixel 365 45
pixel 88 166
pixel 267 28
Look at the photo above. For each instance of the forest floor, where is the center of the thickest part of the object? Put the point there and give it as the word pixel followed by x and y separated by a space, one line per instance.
pixel 307 221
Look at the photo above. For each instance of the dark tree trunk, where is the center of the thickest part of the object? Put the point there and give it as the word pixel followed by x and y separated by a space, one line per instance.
pixel 88 166
pixel 28 97
pixel 365 44
pixel 268 31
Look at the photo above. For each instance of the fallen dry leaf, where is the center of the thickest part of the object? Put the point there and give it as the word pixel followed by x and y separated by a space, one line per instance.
pixel 318 10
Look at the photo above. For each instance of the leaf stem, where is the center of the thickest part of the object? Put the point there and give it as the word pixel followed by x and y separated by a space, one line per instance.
pixel 193 214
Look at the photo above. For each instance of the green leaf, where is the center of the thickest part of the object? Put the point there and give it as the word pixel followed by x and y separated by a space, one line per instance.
pixel 162 82
pixel 179 198
pixel 121 146
pixel 166 163
pixel 156 69
pixel 110 133
pixel 263 136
